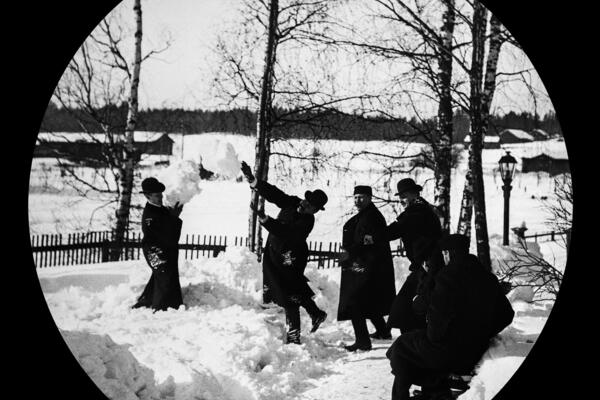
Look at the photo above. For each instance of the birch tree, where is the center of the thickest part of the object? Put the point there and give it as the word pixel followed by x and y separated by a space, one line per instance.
pixel 100 90
pixel 483 86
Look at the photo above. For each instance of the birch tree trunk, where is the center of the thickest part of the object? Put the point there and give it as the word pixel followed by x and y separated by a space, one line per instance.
pixel 443 148
pixel 129 159
pixel 264 126
pixel 482 92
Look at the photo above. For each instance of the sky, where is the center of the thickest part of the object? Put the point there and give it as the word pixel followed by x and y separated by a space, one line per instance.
pixel 181 76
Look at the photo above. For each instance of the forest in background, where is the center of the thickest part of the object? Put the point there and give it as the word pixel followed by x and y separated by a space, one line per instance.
pixel 317 125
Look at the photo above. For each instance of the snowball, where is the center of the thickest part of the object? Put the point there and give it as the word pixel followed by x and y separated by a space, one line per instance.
pixel 181 181
pixel 222 159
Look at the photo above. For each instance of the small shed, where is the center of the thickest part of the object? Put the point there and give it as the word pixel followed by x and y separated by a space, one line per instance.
pixel 514 136
pixel 79 146
pixel 153 143
pixel 539 134
pixel 545 163
pixel 489 141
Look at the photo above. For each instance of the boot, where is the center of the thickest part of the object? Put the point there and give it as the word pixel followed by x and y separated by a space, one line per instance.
pixel 357 346
pixel 293 336
pixel 317 320
pixel 383 336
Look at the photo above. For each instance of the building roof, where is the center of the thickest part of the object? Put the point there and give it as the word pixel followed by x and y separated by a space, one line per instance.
pixel 138 137
pixel 540 132
pixel 486 139
pixel 544 155
pixel 518 133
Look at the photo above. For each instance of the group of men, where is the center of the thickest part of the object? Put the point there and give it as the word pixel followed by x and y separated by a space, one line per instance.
pixel 447 310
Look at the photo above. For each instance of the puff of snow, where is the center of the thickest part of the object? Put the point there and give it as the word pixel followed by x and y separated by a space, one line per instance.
pixel 222 159
pixel 181 181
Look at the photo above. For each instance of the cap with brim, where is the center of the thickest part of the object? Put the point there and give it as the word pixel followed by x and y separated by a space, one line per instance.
pixel 152 185
pixel 317 198
pixel 362 189
pixel 407 185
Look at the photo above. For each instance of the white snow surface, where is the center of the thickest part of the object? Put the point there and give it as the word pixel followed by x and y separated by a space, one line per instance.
pixel 221 344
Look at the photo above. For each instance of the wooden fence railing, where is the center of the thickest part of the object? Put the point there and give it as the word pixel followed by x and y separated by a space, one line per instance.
pixel 96 247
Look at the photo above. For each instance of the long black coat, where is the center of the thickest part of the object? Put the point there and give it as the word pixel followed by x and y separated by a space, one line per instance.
pixel 161 232
pixel 467 308
pixel 367 286
pixel 286 250
pixel 420 230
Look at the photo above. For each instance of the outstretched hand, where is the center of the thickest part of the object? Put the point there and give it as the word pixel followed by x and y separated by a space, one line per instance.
pixel 247 171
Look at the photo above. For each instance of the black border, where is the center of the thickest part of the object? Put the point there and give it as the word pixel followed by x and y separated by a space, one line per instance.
pixel 48 34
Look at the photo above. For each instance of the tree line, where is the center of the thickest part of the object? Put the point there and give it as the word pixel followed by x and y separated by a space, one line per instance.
pixel 307 125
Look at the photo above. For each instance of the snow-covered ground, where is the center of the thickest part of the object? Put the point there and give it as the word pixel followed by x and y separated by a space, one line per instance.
pixel 222 344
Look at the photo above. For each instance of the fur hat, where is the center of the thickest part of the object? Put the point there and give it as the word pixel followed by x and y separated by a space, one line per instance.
pixel 456 242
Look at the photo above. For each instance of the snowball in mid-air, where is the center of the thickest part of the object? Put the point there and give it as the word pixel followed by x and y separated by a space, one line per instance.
pixel 221 158
pixel 181 181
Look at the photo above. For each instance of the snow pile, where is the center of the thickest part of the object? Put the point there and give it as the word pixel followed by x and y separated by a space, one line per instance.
pixel 220 345
pixel 111 366
pixel 234 277
pixel 181 181
pixel 221 158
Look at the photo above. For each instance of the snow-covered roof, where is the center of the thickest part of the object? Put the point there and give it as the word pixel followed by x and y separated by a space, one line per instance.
pixel 486 139
pixel 138 136
pixel 540 132
pixel 518 133
pixel 556 156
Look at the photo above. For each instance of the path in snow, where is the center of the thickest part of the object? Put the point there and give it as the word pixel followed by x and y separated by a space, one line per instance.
pixel 363 375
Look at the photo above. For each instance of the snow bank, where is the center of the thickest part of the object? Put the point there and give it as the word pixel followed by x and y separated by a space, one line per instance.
pixel 221 345
pixel 111 366
pixel 181 180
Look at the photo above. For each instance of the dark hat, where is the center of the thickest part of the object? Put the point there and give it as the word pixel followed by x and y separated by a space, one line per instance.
pixel 407 184
pixel 363 190
pixel 456 242
pixel 152 185
pixel 317 198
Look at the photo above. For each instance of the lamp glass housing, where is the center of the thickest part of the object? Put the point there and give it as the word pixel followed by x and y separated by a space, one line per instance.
pixel 507 166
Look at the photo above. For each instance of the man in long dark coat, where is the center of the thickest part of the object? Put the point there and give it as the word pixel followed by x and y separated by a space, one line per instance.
pixel 367 286
pixel 161 228
pixel 467 308
pixel 420 230
pixel 286 252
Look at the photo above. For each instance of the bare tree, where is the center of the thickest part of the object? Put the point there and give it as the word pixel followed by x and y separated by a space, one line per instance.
pixel 100 90
pixel 527 268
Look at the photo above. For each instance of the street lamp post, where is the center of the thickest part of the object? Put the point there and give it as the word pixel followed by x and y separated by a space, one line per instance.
pixel 507 168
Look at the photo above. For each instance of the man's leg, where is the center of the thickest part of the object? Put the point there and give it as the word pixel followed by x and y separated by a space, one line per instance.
pixel 317 315
pixel 381 329
pixel 292 319
pixel 402 315
pixel 361 333
pixel 403 372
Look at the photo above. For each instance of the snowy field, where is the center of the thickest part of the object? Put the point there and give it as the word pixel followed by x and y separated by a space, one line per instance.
pixel 221 344
pixel 220 206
